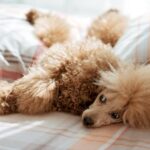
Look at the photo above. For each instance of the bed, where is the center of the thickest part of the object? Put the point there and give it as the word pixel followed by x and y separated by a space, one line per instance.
pixel 62 131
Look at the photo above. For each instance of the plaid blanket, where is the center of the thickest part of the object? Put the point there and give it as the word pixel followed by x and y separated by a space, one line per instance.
pixel 60 131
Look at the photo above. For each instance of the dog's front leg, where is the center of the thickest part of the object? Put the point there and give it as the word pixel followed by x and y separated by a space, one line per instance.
pixel 35 92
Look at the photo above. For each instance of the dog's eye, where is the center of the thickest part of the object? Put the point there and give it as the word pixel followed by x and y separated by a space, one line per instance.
pixel 102 99
pixel 115 115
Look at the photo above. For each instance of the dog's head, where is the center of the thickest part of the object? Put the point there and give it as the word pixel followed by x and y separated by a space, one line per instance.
pixel 125 98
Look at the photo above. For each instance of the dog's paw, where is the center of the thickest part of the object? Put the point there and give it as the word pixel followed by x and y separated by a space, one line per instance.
pixel 32 15
pixel 7 101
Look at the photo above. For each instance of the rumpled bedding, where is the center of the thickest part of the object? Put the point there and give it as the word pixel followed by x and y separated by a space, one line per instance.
pixel 134 45
pixel 54 131
pixel 19 47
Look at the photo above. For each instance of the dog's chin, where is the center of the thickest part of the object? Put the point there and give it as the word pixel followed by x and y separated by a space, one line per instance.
pixel 89 126
pixel 99 124
pixel 95 125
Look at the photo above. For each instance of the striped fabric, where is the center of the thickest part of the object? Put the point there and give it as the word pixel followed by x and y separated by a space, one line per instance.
pixel 18 45
pixel 134 45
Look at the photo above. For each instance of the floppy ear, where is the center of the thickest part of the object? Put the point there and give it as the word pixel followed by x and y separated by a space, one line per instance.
pixel 137 115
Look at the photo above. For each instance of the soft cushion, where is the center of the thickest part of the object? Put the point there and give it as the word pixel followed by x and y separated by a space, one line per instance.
pixel 19 47
pixel 134 45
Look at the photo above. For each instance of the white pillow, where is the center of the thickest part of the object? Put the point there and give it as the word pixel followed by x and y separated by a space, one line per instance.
pixel 134 45
pixel 19 47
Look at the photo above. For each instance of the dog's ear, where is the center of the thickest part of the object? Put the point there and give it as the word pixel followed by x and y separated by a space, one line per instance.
pixel 137 115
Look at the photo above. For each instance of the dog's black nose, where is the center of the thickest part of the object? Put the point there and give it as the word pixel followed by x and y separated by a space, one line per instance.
pixel 87 121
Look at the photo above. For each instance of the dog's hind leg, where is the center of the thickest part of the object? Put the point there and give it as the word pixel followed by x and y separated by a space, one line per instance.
pixel 35 92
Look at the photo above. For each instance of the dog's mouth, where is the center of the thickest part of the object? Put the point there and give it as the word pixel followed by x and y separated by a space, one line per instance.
pixel 88 123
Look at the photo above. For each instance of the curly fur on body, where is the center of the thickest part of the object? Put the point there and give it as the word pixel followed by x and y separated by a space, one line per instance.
pixel 63 79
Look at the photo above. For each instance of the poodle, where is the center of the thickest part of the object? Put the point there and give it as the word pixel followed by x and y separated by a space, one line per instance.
pixel 62 80
pixel 125 98
pixel 73 76
pixel 108 27
pixel 50 28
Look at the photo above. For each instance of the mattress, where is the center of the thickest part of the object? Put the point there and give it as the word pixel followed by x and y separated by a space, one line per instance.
pixel 62 131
